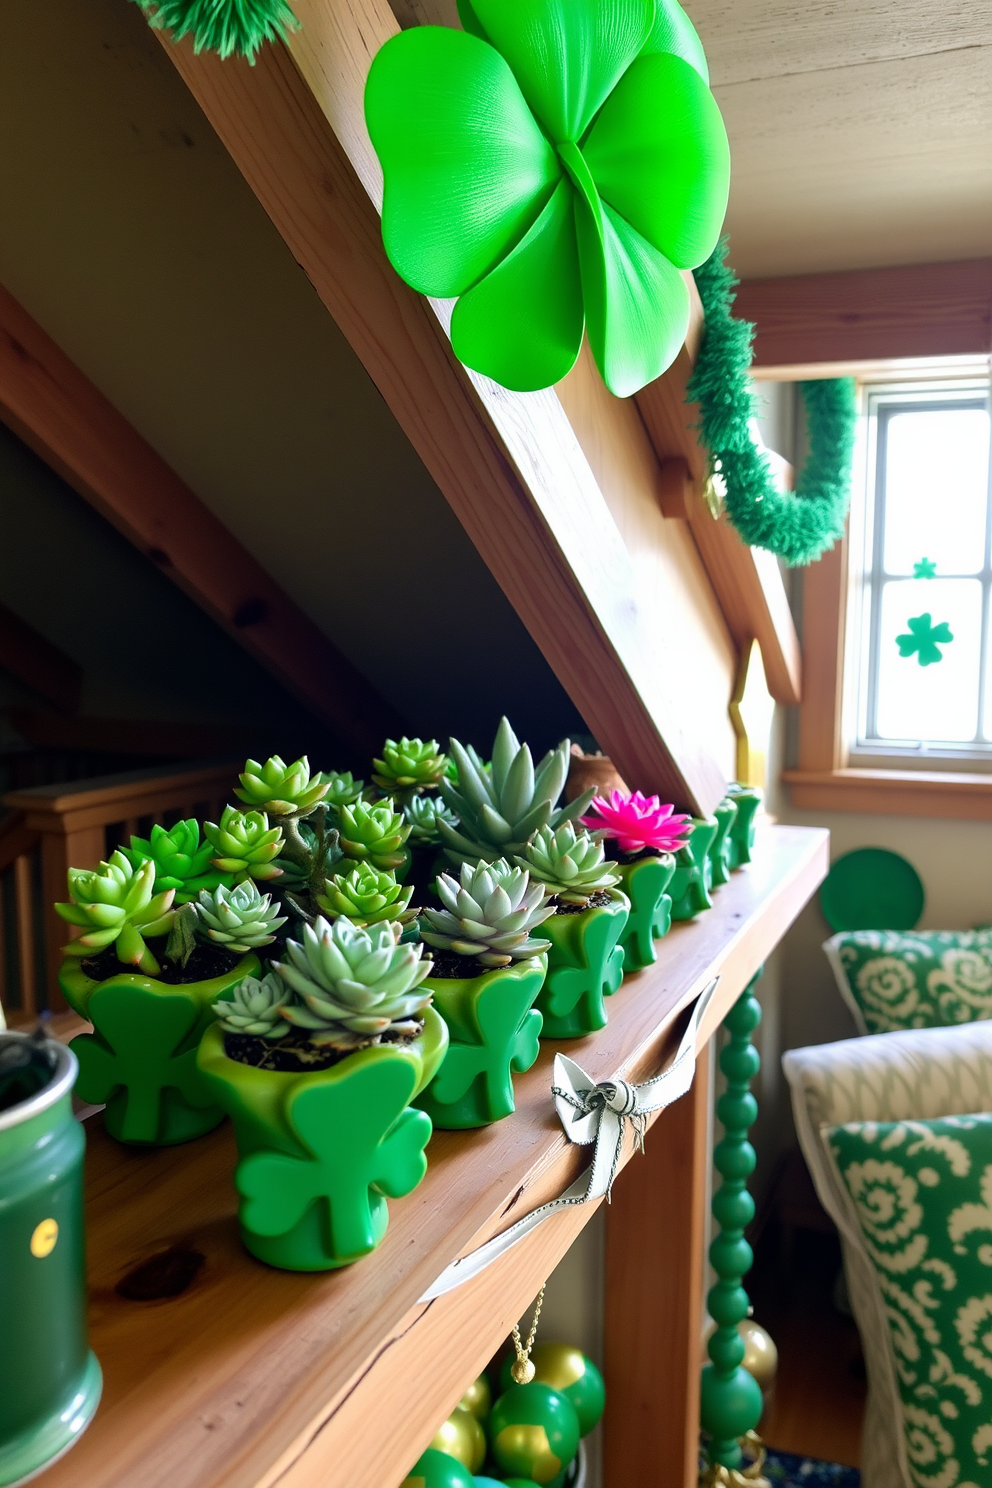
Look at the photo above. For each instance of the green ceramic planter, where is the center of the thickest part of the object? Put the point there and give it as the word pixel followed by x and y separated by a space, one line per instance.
pixel 585 963
pixel 494 1030
pixel 50 1382
pixel 747 799
pixel 719 853
pixel 689 888
pixel 320 1152
pixel 645 882
pixel 141 1057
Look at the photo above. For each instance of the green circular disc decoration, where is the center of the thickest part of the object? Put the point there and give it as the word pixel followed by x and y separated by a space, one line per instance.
pixel 872 889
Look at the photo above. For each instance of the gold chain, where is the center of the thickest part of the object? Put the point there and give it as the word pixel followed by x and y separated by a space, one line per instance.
pixel 523 1370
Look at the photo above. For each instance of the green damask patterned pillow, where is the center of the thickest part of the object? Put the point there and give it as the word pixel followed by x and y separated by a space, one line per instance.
pixel 893 979
pixel 921 1192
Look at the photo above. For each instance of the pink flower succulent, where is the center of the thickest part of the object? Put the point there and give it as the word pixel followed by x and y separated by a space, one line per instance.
pixel 638 822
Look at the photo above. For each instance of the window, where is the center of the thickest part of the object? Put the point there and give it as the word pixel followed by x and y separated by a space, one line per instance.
pixel 920 648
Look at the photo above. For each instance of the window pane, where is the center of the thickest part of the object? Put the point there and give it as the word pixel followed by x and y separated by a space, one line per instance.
pixel 936 703
pixel 936 490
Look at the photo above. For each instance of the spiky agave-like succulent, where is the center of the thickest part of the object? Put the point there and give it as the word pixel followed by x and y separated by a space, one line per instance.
pixel 116 904
pixel 255 1007
pixel 489 914
pixel 408 766
pixel 280 789
pixel 244 844
pixel 239 919
pixel 423 814
pixel 182 861
pixel 342 788
pixel 376 834
pixel 354 984
pixel 570 863
pixel 366 895
pixel 501 809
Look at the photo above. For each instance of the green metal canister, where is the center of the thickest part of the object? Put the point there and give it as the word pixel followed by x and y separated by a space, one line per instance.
pixel 50 1382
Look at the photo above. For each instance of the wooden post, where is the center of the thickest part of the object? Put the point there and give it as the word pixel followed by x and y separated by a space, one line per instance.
pixel 655 1242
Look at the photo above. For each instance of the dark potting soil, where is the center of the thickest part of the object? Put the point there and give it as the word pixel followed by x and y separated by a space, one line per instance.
pixel 294 1054
pixel 616 856
pixel 206 962
pixel 595 900
pixel 450 966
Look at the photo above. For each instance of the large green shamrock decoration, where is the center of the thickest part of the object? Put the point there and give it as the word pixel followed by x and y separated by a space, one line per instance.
pixel 554 165
pixel 645 883
pixel 359 1141
pixel 508 1038
pixel 585 964
pixel 693 876
pixel 925 639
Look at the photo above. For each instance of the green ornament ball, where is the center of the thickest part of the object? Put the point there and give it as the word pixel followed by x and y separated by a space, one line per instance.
pixel 534 1431
pixel 572 1373
pixel 438 1470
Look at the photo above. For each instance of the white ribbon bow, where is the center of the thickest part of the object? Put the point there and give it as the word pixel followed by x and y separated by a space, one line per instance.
pixel 590 1113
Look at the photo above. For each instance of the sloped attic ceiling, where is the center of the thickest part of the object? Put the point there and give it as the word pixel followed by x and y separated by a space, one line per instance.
pixel 128 233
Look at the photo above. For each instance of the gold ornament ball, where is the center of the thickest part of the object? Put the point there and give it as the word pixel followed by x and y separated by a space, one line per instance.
pixel 463 1438
pixel 522 1371
pixel 477 1398
pixel 760 1354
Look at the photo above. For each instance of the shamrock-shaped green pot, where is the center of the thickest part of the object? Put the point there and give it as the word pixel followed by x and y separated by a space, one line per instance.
pixel 555 165
pixel 747 799
pixel 691 882
pixel 645 882
pixel 720 847
pixel 141 1056
pixel 321 1151
pixel 585 964
pixel 495 1030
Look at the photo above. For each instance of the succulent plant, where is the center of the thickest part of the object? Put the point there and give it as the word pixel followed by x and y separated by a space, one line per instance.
pixel 489 914
pixel 245 844
pixel 182 861
pixel 423 814
pixel 354 984
pixel 638 823
pixel 281 789
pixel 116 904
pixel 342 788
pixel 366 895
pixel 409 766
pixel 500 811
pixel 374 833
pixel 239 919
pixel 255 1007
pixel 570 863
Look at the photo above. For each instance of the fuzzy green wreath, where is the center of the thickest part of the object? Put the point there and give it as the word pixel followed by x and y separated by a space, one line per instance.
pixel 798 525
pixel 227 27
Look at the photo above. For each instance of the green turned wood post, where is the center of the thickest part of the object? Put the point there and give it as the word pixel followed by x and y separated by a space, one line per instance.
pixel 731 1402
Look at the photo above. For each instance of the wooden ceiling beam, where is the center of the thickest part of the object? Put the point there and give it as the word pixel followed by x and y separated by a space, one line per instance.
pixel 50 404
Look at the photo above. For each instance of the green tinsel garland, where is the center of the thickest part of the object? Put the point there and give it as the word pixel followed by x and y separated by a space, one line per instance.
pixel 798 525
pixel 223 26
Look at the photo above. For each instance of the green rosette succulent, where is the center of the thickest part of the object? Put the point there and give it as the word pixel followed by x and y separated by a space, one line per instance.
pixel 366 896
pixel 342 788
pixel 116 904
pixel 489 914
pixel 245 844
pixel 570 863
pixel 409 766
pixel 423 814
pixel 182 861
pixel 239 919
pixel 501 809
pixel 280 789
pixel 255 1007
pixel 354 984
pixel 374 833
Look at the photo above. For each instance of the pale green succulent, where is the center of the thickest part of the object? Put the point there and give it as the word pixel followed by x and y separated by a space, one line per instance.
pixel 570 863
pixel 366 896
pixel 489 915
pixel 423 814
pixel 342 788
pixel 281 789
pixel 239 919
pixel 245 844
pixel 255 1007
pixel 374 833
pixel 409 766
pixel 500 810
pixel 182 861
pixel 116 904
pixel 355 985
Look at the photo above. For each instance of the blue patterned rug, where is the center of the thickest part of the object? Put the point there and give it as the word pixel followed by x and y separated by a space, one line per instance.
pixel 786 1470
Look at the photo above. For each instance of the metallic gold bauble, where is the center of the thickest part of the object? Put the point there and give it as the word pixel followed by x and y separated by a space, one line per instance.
pixel 522 1371
pixel 760 1354
pixel 463 1438
pixel 568 1370
pixel 477 1398
pixel 534 1432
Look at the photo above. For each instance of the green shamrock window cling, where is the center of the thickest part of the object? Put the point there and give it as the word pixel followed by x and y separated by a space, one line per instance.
pixel 925 639
pixel 925 569
pixel 554 166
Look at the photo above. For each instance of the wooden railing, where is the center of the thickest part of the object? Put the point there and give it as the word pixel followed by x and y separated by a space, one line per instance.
pixel 52 827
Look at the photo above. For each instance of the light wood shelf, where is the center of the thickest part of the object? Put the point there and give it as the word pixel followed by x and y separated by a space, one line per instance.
pixel 254 1377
